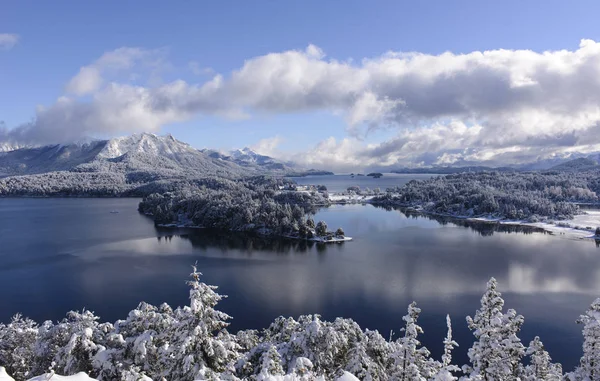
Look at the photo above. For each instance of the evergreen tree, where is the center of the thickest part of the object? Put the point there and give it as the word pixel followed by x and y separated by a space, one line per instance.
pixel 321 229
pixel 497 352
pixel 199 341
pixel 411 361
pixel 445 372
pixel 270 364
pixel 589 368
pixel 17 343
pixel 540 365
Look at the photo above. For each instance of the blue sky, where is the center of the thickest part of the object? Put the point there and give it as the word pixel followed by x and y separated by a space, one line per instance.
pixel 56 39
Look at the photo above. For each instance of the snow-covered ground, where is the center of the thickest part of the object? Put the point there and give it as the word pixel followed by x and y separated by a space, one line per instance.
pixel 349 198
pixel 332 240
pixel 582 226
pixel 48 377
pixel 84 377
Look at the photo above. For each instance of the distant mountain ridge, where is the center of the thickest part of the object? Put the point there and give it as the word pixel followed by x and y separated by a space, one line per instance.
pixel 573 162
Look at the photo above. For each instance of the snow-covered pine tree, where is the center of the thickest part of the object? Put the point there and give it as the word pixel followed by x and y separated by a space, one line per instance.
pixel 411 361
pixel 138 345
pixel 445 372
pixel 270 364
pixel 302 369
pixel 321 229
pixel 497 352
pixel 198 341
pixel 361 365
pixel 17 343
pixel 589 368
pixel 540 365
pixel 70 345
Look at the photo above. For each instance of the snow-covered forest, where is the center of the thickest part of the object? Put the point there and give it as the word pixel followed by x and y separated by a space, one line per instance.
pixel 513 195
pixel 259 204
pixel 192 343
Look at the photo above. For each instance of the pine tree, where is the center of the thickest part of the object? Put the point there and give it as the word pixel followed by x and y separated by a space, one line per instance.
pixel 540 366
pixel 198 340
pixel 411 361
pixel 321 229
pixel 270 364
pixel 497 352
pixel 17 343
pixel 589 368
pixel 445 372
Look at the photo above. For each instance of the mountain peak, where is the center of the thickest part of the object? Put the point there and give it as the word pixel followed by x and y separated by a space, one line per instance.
pixel 144 142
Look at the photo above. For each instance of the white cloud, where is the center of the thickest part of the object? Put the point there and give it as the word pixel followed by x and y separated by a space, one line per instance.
pixel 447 108
pixel 197 69
pixel 8 40
pixel 268 146
pixel 90 77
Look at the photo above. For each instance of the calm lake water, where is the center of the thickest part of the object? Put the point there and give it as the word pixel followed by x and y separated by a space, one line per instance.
pixel 63 254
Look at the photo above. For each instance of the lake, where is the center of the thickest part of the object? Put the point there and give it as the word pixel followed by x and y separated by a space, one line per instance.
pixel 63 254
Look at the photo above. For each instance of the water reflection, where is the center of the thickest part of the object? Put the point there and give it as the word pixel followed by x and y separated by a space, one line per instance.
pixel 204 239
pixel 396 257
pixel 483 228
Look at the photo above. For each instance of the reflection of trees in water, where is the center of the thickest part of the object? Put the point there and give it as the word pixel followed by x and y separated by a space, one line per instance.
pixel 481 227
pixel 229 240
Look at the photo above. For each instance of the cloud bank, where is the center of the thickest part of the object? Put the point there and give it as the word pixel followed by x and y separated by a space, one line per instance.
pixel 491 106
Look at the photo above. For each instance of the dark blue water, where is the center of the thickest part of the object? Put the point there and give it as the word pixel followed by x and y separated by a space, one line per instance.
pixel 63 254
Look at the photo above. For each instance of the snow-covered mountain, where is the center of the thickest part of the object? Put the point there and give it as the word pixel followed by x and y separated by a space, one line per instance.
pixel 246 155
pixel 138 152
pixel 248 158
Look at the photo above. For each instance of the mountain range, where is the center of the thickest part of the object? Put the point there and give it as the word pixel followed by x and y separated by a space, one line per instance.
pixel 150 156
pixel 139 152
pixel 133 165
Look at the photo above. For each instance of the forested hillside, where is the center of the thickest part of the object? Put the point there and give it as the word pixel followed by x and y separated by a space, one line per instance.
pixel 512 195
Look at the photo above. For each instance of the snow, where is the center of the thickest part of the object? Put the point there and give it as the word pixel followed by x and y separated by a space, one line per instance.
pixel 349 198
pixel 332 240
pixel 81 376
pixel 4 376
pixel 582 226
pixel 346 377
pixel 144 143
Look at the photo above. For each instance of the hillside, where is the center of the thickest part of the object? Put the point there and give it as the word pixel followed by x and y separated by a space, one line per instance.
pixel 125 154
pixel 580 164
pixel 135 165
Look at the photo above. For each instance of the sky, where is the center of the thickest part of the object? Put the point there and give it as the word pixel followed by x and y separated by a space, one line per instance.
pixel 343 85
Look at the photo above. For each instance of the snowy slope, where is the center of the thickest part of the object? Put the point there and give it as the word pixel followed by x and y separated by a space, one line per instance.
pixel 48 158
pixel 145 143
pixel 139 152
pixel 246 155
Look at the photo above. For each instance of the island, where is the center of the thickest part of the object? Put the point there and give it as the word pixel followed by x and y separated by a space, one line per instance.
pixel 375 175
pixel 263 205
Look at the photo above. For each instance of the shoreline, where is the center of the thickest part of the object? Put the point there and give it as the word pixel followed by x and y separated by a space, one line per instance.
pixel 266 233
pixel 581 226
